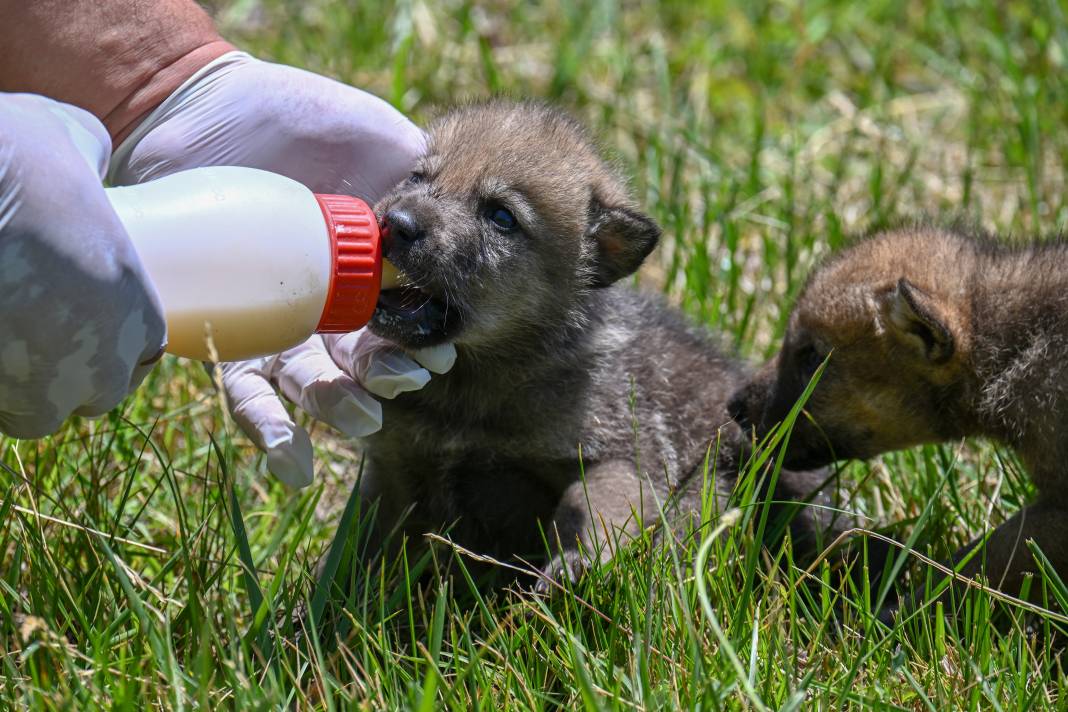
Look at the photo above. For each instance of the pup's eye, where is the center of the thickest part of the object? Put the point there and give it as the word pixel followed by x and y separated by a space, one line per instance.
pixel 808 360
pixel 416 177
pixel 502 217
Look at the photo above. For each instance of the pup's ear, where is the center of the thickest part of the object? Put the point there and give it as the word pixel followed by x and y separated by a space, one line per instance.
pixel 622 239
pixel 918 320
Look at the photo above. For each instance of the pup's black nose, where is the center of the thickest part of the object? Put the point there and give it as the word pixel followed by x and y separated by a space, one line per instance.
pixel 736 408
pixel 403 226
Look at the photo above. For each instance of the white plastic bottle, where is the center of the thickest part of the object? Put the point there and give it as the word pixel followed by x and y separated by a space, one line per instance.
pixel 249 263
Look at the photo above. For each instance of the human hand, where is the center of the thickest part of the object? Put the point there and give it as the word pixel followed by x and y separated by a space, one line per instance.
pixel 332 378
pixel 81 322
pixel 241 111
pixel 334 139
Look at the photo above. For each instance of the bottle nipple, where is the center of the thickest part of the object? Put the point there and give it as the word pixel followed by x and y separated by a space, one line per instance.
pixel 391 276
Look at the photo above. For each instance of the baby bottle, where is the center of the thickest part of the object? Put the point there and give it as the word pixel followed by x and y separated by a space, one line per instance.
pixel 249 263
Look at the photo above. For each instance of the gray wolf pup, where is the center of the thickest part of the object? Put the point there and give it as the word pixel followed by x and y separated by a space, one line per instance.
pixel 932 335
pixel 576 406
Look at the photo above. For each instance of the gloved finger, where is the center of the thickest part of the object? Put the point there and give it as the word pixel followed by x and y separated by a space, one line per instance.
pixel 102 389
pixel 308 376
pixel 87 134
pixel 147 361
pixel 437 359
pixel 139 343
pixel 30 425
pixel 376 364
pixel 102 402
pixel 139 374
pixel 390 373
pixel 259 412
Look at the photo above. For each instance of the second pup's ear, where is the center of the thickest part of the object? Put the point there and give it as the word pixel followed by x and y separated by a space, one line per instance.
pixel 918 320
pixel 622 238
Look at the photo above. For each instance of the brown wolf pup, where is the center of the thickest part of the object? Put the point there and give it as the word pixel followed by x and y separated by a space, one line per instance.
pixel 512 231
pixel 934 335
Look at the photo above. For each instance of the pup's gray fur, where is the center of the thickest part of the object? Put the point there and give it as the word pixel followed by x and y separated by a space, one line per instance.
pixel 935 334
pixel 552 359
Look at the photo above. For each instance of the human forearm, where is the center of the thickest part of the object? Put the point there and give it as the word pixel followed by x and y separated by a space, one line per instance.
pixel 116 58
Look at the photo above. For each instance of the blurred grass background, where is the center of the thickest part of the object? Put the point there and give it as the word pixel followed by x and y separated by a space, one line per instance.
pixel 147 557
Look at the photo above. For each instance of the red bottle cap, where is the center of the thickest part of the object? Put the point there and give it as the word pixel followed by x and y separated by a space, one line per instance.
pixel 356 276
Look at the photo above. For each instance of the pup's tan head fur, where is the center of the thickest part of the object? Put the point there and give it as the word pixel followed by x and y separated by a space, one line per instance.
pixel 891 318
pixel 509 219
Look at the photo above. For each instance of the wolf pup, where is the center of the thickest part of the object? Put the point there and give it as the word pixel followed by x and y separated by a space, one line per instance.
pixel 575 407
pixel 934 335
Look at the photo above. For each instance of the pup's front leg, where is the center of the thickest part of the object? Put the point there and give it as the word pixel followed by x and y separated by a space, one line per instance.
pixel 595 516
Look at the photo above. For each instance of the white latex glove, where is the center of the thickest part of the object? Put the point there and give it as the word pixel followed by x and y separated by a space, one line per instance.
pixel 80 322
pixel 334 139
pixel 329 378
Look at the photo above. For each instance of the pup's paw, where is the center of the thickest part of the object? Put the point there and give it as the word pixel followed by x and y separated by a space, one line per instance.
pixel 567 567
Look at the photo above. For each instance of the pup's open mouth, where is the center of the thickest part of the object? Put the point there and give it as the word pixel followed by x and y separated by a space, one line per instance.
pixel 410 316
pixel 406 301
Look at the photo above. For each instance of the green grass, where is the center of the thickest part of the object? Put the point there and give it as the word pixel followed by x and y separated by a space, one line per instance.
pixel 148 560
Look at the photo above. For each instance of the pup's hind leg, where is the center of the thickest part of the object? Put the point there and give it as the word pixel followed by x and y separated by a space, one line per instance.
pixel 1005 559
pixel 595 515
